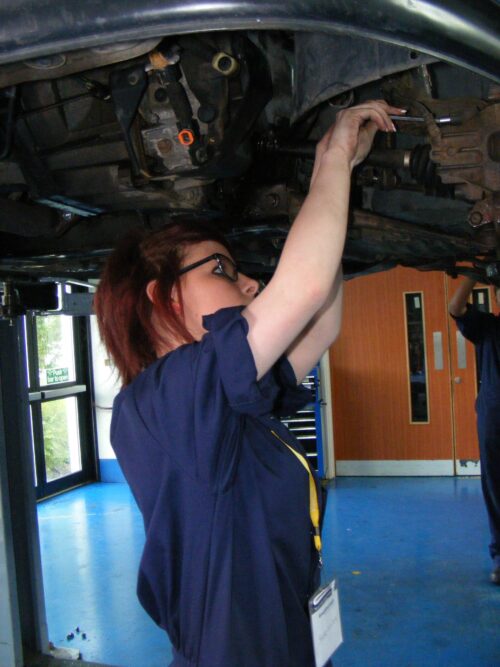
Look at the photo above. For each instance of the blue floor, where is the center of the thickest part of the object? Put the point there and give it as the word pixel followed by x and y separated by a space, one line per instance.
pixel 409 553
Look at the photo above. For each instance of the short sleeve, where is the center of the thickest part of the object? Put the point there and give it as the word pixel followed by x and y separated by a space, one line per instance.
pixel 276 392
pixel 473 324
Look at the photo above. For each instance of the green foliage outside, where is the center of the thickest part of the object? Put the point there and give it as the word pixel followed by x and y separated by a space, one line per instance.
pixel 50 342
pixel 55 426
pixel 55 437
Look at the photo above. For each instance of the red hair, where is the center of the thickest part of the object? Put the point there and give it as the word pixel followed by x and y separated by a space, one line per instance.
pixel 123 308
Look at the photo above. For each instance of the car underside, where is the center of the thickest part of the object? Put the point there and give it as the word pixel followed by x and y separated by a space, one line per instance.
pixel 222 125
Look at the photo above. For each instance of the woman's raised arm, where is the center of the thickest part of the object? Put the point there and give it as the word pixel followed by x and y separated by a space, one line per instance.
pixel 283 317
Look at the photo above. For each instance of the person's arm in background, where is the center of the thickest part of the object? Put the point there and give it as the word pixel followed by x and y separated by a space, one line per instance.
pixel 458 303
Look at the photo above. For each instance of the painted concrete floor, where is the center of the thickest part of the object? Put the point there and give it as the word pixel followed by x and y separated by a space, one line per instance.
pixel 409 553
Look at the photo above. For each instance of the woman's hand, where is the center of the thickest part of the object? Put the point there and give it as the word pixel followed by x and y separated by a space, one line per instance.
pixel 353 132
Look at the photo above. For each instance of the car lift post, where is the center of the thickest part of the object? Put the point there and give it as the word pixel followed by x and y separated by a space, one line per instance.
pixel 23 623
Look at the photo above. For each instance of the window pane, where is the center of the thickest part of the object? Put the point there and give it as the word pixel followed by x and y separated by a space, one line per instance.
pixel 56 359
pixel 60 438
pixel 481 299
pixel 416 357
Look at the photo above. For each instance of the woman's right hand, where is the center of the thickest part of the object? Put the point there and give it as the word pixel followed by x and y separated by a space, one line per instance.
pixel 353 132
pixel 299 312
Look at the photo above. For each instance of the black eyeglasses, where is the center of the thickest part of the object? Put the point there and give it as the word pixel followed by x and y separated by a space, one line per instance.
pixel 225 266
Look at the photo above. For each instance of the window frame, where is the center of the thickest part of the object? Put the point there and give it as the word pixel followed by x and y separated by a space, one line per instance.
pixel 412 420
pixel 81 388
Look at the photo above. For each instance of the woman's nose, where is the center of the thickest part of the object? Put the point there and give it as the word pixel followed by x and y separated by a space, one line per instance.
pixel 248 285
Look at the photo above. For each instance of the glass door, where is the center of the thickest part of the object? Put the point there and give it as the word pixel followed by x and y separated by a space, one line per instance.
pixel 61 418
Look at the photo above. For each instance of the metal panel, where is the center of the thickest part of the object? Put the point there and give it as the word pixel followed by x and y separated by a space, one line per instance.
pixel 460 31
pixel 437 338
pixel 63 392
pixel 461 351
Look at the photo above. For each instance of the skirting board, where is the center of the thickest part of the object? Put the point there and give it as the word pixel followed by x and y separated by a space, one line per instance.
pixel 110 471
pixel 468 467
pixel 437 468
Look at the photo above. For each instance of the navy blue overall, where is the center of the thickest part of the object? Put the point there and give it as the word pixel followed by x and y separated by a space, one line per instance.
pixel 229 561
pixel 483 329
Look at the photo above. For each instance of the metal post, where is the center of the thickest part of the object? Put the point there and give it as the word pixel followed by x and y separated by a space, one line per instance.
pixel 10 627
pixel 327 416
pixel 23 598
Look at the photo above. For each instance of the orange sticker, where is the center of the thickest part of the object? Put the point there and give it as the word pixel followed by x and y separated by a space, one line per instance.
pixel 186 137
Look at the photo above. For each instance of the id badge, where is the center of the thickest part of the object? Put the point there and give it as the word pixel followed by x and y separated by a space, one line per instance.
pixel 325 622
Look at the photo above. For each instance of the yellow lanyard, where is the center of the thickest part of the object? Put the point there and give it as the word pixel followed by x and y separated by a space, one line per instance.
pixel 313 495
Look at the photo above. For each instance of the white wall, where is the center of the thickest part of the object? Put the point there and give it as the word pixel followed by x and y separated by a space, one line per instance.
pixel 106 386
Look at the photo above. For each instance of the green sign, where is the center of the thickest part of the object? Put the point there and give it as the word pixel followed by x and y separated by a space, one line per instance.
pixel 56 375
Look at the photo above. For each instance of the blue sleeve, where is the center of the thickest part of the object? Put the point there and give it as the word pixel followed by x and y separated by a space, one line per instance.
pixel 276 392
pixel 193 401
pixel 474 324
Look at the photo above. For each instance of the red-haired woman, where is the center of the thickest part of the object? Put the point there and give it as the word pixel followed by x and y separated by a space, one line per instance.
pixel 232 539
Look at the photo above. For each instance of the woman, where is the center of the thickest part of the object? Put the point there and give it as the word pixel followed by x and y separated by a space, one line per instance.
pixel 232 547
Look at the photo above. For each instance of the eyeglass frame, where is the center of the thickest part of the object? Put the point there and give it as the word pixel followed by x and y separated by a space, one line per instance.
pixel 217 256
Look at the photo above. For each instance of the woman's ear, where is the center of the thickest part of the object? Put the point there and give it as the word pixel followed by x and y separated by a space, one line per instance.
pixel 151 292
pixel 176 304
pixel 151 289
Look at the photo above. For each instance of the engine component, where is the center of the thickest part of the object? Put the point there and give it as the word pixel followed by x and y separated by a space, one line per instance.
pixel 9 130
pixel 52 67
pixel 225 104
pixel 10 306
pixel 171 88
pixel 127 88
pixel 416 160
pixel 486 211
pixel 225 64
pixel 468 156
pixel 19 297
pixel 162 142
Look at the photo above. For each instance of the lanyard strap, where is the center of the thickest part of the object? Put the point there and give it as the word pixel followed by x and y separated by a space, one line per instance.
pixel 313 494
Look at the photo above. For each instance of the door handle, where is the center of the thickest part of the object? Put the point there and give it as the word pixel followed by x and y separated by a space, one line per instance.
pixel 458 380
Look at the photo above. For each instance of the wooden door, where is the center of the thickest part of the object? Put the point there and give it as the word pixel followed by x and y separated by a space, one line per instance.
pixel 375 430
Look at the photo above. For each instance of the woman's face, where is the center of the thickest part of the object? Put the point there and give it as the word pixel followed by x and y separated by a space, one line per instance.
pixel 205 291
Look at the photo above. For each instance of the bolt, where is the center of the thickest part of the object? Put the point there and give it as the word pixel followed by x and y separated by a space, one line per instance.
pixel 207 113
pixel 164 146
pixel 133 78
pixel 476 218
pixel 225 63
pixel 161 95
pixel 201 155
pixel 273 199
